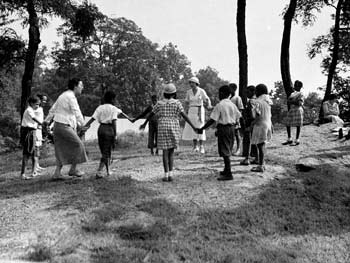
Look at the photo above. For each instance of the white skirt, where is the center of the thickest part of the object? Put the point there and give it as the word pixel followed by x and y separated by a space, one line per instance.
pixel 188 133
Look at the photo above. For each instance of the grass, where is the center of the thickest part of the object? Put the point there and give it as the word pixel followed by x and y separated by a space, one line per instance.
pixel 301 217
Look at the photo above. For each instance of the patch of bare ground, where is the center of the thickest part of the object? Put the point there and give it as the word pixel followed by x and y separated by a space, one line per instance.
pixel 282 215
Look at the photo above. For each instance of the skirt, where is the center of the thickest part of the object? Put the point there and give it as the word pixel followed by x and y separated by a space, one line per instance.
pixel 105 135
pixel 168 133
pixel 262 132
pixel 294 117
pixel 188 133
pixel 69 149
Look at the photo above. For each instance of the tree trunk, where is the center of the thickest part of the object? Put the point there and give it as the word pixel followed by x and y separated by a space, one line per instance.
pixel 335 53
pixel 242 50
pixel 34 40
pixel 285 67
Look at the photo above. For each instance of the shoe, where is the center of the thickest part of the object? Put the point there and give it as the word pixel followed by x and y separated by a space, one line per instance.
pixel 99 175
pixel 201 150
pixel 76 173
pixel 223 172
pixel 165 179
pixel 287 142
pixel 294 144
pixel 56 178
pixel 35 173
pixel 26 177
pixel 245 162
pixel 225 178
pixel 259 169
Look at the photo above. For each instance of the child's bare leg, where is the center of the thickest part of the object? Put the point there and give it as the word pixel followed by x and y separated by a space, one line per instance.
pixel 261 153
pixel 195 144
pixel 166 161
pixel 171 159
pixel 298 133
pixel 24 164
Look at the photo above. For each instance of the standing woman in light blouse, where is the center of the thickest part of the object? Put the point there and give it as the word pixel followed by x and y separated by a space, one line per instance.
pixel 196 99
pixel 67 116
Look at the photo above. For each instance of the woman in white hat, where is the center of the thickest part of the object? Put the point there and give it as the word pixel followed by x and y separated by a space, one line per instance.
pixel 196 99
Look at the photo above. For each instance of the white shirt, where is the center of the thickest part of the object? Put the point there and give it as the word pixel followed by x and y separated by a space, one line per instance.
pixel 27 120
pixel 237 100
pixel 66 110
pixel 39 114
pixel 106 113
pixel 225 112
pixel 196 99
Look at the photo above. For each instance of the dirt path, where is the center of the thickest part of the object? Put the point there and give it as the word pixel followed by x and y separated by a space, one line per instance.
pixel 40 210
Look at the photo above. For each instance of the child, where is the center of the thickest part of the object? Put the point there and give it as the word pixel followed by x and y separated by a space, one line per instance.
pixel 226 115
pixel 168 112
pixel 248 148
pixel 29 125
pixel 107 115
pixel 295 114
pixel 39 115
pixel 236 99
pixel 262 126
pixel 152 126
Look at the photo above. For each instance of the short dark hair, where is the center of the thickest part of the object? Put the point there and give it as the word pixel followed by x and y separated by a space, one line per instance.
pixel 225 91
pixel 33 99
pixel 233 88
pixel 73 83
pixel 251 88
pixel 332 96
pixel 298 84
pixel 260 90
pixel 170 95
pixel 109 96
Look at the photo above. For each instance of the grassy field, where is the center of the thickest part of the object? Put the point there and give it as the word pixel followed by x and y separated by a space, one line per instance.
pixel 280 216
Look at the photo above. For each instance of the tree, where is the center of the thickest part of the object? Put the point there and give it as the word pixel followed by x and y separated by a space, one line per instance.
pixel 335 48
pixel 284 59
pixel 242 49
pixel 82 19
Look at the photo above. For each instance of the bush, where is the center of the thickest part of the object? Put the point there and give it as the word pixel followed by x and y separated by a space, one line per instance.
pixel 10 126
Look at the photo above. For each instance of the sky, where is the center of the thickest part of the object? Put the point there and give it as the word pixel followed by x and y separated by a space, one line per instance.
pixel 205 31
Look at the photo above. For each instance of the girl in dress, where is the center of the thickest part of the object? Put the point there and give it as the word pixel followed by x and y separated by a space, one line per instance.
pixel 262 125
pixel 295 114
pixel 168 112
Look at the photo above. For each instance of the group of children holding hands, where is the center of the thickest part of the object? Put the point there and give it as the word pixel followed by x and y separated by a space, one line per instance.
pixel 254 118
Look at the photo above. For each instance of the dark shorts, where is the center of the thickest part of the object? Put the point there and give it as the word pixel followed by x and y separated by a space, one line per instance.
pixel 27 140
pixel 226 135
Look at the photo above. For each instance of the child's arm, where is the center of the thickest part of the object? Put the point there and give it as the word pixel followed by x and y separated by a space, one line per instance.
pixel 208 124
pixel 143 114
pixel 123 114
pixel 142 127
pixel 37 121
pixel 184 115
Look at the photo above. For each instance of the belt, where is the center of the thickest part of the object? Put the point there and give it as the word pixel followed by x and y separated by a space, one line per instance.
pixel 106 123
pixel 196 106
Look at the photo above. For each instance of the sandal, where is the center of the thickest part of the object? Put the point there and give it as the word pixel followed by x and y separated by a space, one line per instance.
pixel 245 162
pixel 294 144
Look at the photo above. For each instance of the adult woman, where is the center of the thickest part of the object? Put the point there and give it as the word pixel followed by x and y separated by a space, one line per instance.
pixel 196 99
pixel 67 116
pixel 331 110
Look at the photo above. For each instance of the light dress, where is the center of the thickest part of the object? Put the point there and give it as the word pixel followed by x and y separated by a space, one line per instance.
pixel 261 111
pixel 195 102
